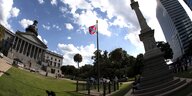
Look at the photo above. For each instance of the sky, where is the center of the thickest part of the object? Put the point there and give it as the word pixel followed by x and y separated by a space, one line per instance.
pixel 63 24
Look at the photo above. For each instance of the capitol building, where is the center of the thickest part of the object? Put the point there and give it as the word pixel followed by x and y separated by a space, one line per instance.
pixel 29 49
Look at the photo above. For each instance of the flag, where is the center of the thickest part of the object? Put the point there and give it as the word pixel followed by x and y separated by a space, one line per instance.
pixel 92 29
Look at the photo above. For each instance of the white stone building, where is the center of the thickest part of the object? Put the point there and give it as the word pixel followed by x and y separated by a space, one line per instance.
pixel 29 49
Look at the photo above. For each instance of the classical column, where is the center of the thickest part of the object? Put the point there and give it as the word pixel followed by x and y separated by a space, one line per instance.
pixel 18 44
pixel 39 54
pixel 21 46
pixel 29 49
pixel 35 52
pixel 15 42
pixel 32 51
pixel 24 46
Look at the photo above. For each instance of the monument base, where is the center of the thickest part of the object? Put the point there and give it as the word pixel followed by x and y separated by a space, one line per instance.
pixel 156 77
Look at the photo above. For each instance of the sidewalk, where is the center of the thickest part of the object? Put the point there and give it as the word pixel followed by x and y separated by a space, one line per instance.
pixel 92 93
pixel 4 66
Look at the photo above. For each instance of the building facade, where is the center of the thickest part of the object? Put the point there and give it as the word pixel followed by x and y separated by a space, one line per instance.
pixel 29 49
pixel 176 25
pixel 54 61
pixel 189 3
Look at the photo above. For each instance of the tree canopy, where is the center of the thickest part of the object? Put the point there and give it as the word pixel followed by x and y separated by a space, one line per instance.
pixel 165 47
pixel 115 63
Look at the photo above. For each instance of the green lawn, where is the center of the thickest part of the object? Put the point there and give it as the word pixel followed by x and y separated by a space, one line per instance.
pixel 188 89
pixel 24 83
pixel 185 74
pixel 123 90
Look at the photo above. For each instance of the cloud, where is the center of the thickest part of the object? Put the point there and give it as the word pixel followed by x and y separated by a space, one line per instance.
pixel 7 11
pixel 46 27
pixel 68 38
pixel 43 40
pixel 103 24
pixel 77 4
pixel 69 50
pixel 64 11
pixel 53 2
pixel 15 12
pixel 133 37
pixel 41 1
pixel 69 26
pixel 56 26
pixel 111 8
pixel 87 14
pixel 25 22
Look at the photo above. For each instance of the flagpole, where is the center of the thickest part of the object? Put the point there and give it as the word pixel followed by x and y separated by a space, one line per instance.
pixel 98 67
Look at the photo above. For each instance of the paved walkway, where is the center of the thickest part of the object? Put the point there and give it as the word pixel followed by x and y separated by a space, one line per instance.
pixel 92 93
pixel 4 66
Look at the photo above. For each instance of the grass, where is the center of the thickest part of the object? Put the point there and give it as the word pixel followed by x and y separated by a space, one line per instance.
pixel 185 74
pixel 188 89
pixel 24 83
pixel 123 90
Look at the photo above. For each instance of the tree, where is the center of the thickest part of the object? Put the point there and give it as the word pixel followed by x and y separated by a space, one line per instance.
pixel 2 34
pixel 138 64
pixel 95 58
pixel 189 50
pixel 117 57
pixel 117 54
pixel 86 71
pixel 77 58
pixel 166 49
pixel 68 70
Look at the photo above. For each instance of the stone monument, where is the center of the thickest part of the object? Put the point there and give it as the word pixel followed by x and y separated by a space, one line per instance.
pixel 157 79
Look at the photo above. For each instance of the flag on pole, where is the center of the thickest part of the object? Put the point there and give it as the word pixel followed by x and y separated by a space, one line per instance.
pixel 93 29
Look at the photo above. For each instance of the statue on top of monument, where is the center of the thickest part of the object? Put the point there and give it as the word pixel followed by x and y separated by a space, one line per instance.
pixel 132 1
pixel 33 28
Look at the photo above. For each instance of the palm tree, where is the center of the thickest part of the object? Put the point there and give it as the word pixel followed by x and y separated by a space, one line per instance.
pixel 77 58
pixel 2 34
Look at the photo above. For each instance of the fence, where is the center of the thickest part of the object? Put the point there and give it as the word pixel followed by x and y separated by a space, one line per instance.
pixel 105 87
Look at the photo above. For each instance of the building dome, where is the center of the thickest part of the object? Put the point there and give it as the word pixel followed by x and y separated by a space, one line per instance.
pixel 33 28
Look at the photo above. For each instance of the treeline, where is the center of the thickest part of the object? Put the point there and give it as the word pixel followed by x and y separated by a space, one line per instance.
pixel 116 63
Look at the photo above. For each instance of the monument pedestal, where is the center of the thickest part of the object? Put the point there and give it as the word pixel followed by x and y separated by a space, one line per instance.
pixel 156 77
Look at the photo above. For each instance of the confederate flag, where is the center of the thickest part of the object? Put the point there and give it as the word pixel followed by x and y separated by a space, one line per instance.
pixel 92 29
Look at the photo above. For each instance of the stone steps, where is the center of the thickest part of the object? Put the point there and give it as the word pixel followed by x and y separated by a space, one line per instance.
pixel 164 90
pixel 188 81
pixel 156 75
pixel 157 87
pixel 154 62
pixel 154 69
pixel 153 82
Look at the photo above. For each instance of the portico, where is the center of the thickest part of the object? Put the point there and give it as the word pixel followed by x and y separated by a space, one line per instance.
pixel 27 47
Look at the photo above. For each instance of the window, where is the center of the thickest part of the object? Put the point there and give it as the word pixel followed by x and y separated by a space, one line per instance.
pixel 54 64
pixel 51 63
pixel 58 64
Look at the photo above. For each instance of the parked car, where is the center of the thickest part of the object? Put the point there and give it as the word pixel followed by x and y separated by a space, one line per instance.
pixel 32 70
pixel 1 55
pixel 21 65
